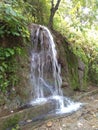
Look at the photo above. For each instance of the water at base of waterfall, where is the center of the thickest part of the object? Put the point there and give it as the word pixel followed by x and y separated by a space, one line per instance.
pixel 45 72
pixel 67 107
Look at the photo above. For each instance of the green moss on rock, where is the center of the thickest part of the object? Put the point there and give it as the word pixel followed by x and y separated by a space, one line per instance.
pixel 11 122
pixel 74 70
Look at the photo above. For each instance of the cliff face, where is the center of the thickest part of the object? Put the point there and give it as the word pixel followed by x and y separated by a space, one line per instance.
pixel 73 71
pixel 19 93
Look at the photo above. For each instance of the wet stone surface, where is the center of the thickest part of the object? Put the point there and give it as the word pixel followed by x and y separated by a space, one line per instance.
pixel 84 119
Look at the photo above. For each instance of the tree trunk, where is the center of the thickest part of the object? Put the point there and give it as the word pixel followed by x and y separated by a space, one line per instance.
pixel 52 12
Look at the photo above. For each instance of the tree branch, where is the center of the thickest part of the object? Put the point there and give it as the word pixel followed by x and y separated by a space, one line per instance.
pixel 52 3
pixel 57 5
pixel 53 11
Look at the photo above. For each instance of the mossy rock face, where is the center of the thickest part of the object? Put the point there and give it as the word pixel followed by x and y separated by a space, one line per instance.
pixel 22 117
pixel 19 93
pixel 11 123
pixel 74 71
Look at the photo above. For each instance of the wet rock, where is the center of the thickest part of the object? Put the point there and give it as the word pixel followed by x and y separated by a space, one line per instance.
pixel 36 115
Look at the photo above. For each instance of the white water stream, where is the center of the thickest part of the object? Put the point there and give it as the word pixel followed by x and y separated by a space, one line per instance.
pixel 45 72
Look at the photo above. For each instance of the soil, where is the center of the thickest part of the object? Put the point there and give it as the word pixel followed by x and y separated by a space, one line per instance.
pixel 84 119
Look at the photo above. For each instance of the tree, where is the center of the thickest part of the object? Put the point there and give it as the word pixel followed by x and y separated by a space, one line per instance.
pixel 53 10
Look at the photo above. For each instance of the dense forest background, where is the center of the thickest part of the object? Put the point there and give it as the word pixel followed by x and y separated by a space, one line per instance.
pixel 75 20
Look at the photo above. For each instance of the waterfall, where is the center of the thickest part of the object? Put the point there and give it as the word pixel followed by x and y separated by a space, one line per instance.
pixel 45 70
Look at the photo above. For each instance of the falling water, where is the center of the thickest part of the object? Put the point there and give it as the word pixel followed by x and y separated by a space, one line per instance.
pixel 45 71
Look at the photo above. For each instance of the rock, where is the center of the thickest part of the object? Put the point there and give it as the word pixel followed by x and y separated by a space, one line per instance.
pixel 49 124
pixel 28 121
pixel 65 84
pixel 81 65
pixel 82 73
pixel 13 89
pixel 97 115
pixel 28 116
pixel 63 125
pixel 79 124
pixel 5 107
pixel 12 111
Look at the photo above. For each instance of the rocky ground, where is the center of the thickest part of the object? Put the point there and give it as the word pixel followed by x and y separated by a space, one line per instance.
pixel 84 119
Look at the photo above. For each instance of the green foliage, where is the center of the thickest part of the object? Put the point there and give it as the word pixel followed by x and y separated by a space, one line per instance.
pixel 78 20
pixel 12 21
pixel 15 15
pixel 73 70
pixel 8 67
pixel 12 123
pixel 16 127
pixel 93 71
pixel 40 12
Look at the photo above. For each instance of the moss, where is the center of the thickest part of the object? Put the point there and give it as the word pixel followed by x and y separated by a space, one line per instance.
pixel 85 78
pixel 72 62
pixel 73 70
pixel 11 123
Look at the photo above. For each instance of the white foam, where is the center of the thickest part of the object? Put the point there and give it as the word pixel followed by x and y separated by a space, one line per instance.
pixel 38 101
pixel 70 108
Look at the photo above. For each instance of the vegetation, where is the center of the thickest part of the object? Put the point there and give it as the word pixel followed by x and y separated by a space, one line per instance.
pixel 12 123
pixel 5 55
pixel 12 20
pixel 12 23
pixel 53 10
pixel 76 20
